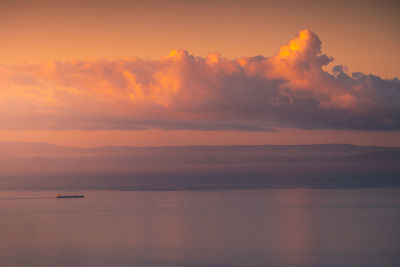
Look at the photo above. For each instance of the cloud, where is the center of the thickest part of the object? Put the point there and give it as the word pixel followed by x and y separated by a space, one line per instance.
pixel 183 91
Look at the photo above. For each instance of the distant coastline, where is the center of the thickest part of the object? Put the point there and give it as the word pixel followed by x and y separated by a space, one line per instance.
pixel 41 166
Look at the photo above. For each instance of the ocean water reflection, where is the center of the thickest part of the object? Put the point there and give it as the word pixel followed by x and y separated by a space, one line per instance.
pixel 271 227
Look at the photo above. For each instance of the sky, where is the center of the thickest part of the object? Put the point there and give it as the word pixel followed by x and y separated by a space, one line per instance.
pixel 155 73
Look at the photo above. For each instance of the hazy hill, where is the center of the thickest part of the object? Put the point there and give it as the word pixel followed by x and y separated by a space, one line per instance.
pixel 46 166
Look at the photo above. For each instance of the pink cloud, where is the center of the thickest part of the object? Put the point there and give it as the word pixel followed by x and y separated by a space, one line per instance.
pixel 182 91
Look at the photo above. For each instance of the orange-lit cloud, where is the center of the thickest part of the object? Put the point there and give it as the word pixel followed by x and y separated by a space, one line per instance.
pixel 182 91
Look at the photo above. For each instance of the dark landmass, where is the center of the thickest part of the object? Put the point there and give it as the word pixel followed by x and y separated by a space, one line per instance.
pixel 42 166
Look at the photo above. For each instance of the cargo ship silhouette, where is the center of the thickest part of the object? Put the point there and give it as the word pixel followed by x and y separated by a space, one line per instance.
pixel 69 196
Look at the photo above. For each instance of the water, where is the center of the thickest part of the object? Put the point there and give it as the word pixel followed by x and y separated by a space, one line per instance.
pixel 271 227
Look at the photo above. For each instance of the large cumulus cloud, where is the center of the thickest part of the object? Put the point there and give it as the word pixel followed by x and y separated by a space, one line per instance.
pixel 182 91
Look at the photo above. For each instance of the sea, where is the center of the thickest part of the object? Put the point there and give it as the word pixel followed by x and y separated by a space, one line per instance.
pixel 264 227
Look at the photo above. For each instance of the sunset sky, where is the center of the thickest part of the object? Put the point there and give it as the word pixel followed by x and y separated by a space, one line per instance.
pixel 151 73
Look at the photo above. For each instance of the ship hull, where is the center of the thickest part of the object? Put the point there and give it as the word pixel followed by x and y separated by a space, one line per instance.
pixel 78 196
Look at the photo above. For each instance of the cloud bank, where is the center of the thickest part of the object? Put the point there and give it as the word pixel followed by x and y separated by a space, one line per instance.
pixel 183 91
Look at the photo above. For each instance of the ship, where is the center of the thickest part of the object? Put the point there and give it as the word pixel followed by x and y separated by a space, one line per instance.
pixel 69 196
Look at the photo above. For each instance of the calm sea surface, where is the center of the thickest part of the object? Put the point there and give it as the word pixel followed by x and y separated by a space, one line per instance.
pixel 272 227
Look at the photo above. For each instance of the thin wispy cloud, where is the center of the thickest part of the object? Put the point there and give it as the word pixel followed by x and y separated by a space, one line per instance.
pixel 182 91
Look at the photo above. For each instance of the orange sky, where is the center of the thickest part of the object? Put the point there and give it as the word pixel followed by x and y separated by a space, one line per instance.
pixel 185 137
pixel 360 34
pixel 363 35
